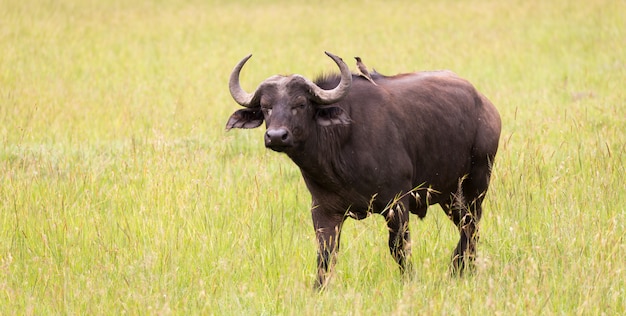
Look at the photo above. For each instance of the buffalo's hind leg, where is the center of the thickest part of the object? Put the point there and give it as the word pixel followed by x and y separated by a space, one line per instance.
pixel 465 211
pixel 466 219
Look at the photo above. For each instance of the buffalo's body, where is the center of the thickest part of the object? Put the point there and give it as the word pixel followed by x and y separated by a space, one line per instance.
pixel 410 141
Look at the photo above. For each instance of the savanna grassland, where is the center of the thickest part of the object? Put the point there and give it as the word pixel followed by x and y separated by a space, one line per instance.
pixel 121 192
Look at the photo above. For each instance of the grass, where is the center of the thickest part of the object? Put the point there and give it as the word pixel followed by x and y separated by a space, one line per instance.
pixel 121 192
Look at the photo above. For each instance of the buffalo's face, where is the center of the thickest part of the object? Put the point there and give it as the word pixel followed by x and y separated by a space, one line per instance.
pixel 288 114
pixel 291 107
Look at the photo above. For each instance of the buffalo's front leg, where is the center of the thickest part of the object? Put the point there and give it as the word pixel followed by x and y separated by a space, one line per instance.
pixel 328 233
pixel 399 237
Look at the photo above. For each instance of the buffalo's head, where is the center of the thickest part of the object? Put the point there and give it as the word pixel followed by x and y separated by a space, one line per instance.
pixel 290 106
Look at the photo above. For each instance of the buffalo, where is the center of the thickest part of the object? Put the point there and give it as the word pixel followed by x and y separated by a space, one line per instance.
pixel 391 148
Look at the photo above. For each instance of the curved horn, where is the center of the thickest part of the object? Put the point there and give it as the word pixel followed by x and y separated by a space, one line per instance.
pixel 240 96
pixel 330 96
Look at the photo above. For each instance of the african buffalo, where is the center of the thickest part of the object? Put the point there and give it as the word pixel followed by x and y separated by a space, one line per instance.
pixel 407 142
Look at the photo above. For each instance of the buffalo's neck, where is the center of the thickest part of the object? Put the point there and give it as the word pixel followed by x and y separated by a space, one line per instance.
pixel 322 159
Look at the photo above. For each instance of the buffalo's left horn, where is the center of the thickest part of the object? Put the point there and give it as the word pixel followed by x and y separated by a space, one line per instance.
pixel 331 96
pixel 240 96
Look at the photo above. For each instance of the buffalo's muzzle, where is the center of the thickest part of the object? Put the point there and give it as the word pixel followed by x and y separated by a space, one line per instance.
pixel 278 139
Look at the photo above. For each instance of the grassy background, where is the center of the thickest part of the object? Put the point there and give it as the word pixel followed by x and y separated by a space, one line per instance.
pixel 121 192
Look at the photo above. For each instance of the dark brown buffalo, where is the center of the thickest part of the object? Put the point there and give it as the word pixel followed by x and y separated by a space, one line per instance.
pixel 413 140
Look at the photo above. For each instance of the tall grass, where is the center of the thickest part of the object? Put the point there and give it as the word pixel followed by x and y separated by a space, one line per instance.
pixel 121 192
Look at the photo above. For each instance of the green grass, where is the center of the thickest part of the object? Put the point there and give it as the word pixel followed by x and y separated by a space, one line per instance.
pixel 121 192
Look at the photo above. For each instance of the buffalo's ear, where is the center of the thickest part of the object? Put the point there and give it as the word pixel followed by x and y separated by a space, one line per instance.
pixel 245 118
pixel 331 115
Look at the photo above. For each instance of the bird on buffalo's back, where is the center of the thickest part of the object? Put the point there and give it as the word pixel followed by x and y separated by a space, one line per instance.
pixel 363 70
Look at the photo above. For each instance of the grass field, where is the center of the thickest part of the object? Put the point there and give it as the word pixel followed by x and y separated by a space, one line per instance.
pixel 121 192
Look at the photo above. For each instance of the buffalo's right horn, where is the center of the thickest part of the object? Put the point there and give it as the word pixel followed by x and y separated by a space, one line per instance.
pixel 331 96
pixel 240 96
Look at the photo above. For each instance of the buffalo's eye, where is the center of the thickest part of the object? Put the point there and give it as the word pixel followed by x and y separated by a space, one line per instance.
pixel 298 106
